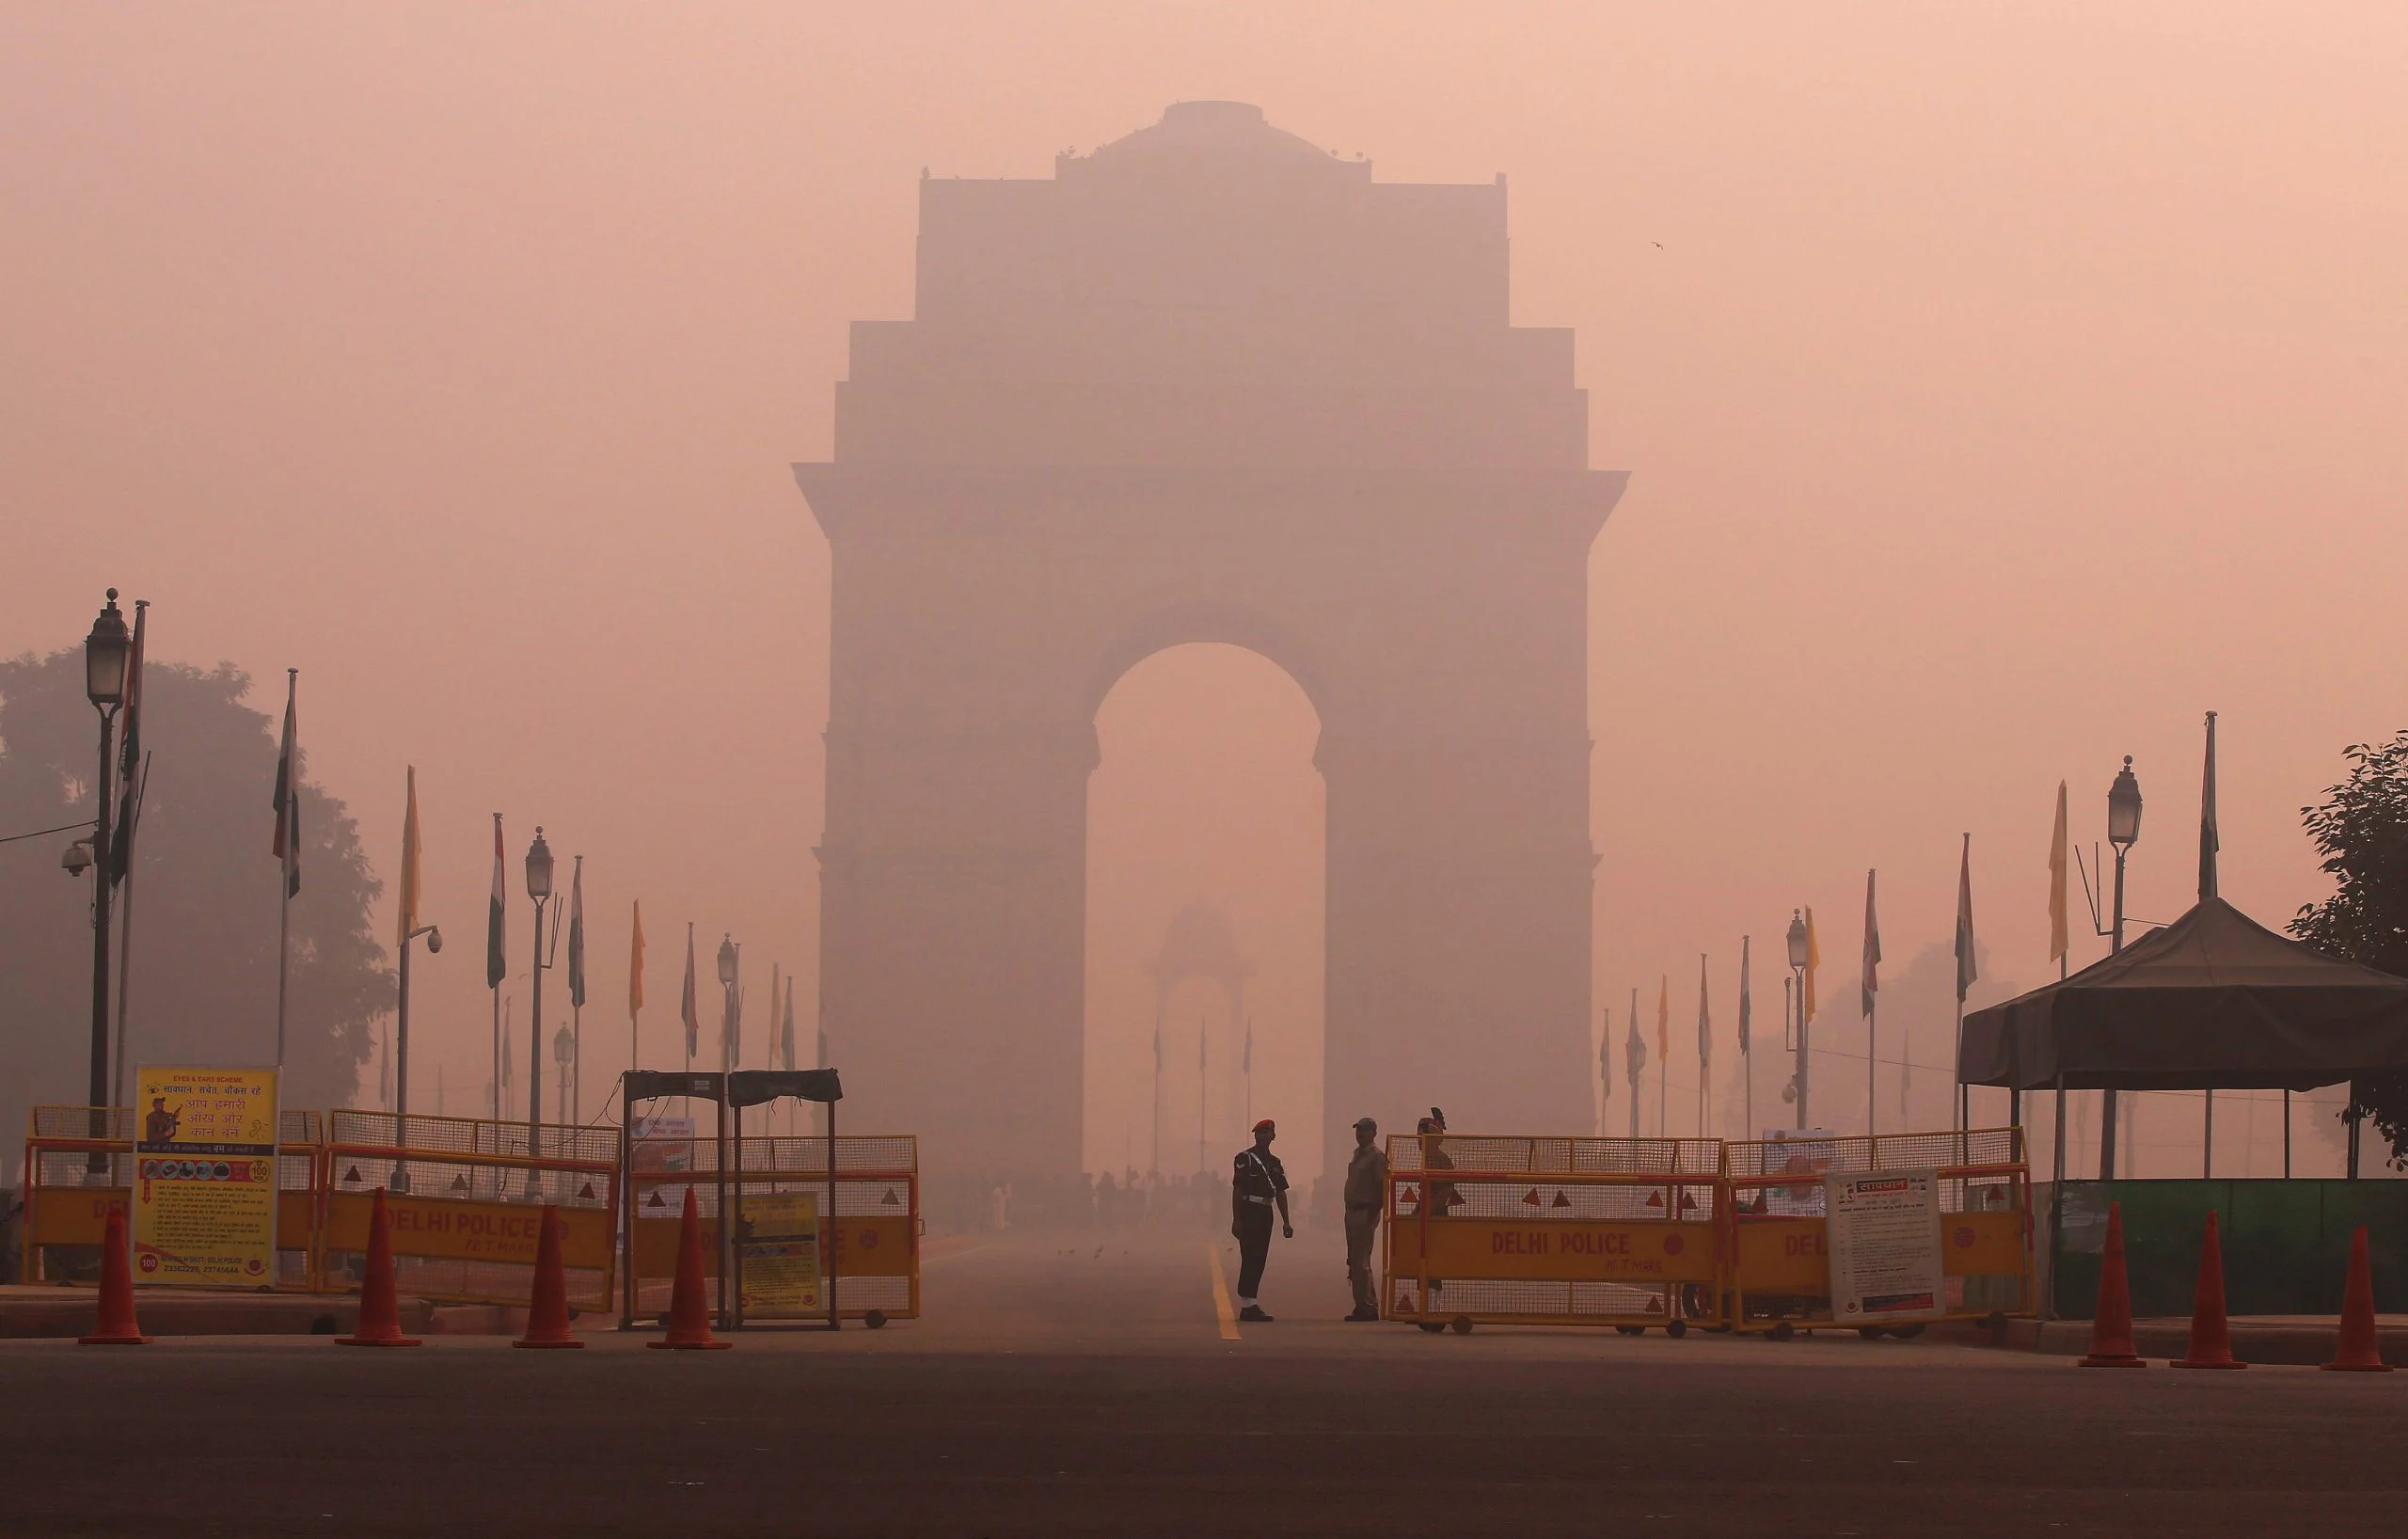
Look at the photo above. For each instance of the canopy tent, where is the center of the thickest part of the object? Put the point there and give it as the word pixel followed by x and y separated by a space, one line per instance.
pixel 2213 1001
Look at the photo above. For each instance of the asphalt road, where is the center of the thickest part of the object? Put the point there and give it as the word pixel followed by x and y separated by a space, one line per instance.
pixel 1054 1390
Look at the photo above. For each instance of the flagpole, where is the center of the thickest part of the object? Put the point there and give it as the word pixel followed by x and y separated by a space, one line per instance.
pixel 292 860
pixel 126 925
pixel 1638 1068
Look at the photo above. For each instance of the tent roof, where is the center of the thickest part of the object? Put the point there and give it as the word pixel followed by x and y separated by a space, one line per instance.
pixel 2213 1001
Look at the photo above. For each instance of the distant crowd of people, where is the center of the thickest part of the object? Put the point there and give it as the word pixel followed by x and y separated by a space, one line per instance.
pixel 1127 1200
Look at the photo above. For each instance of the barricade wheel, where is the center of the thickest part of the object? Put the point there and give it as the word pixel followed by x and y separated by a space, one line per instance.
pixel 1676 1328
pixel 1433 1327
pixel 875 1320
pixel 1781 1330
pixel 1463 1324
pixel 1906 1333
pixel 1630 1330
pixel 1871 1333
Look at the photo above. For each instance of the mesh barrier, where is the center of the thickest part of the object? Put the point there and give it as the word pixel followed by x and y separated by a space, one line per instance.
pixel 1781 1266
pixel 68 1197
pixel 473 1137
pixel 1568 1156
pixel 875 1235
pixel 1553 1230
pixel 465 1197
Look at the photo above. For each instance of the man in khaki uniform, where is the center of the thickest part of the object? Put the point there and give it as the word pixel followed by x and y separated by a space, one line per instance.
pixel 1367 1195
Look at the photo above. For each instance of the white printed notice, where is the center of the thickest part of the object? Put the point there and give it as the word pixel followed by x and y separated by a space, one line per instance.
pixel 1885 1245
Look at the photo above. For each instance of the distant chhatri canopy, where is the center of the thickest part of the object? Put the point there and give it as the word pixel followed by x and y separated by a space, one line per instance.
pixel 1200 944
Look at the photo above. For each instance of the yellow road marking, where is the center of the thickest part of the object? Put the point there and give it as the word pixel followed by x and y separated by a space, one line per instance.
pixel 1221 1295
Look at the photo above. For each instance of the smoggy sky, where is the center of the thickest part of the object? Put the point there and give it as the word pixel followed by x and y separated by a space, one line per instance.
pixel 2002 387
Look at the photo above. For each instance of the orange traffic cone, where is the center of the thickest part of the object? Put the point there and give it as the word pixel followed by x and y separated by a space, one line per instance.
pixel 548 1306
pixel 116 1324
pixel 690 1319
pixel 380 1310
pixel 2358 1351
pixel 2111 1329
pixel 2210 1333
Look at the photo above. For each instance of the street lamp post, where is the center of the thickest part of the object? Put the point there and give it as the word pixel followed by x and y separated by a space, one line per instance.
pixel 539 887
pixel 106 654
pixel 1797 971
pixel 2123 832
pixel 401 1181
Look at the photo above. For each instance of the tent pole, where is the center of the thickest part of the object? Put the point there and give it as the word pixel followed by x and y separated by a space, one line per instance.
pixel 2287 1136
pixel 2207 1138
pixel 2056 1201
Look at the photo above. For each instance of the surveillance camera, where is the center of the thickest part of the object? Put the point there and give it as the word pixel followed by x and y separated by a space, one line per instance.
pixel 434 942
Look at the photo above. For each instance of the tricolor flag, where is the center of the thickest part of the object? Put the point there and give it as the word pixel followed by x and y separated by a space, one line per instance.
pixel 287 845
pixel 496 964
pixel 1966 969
pixel 1872 981
pixel 686 1010
pixel 732 1049
pixel 129 760
pixel 577 935
pixel 410 855
pixel 1746 1006
pixel 1705 1022
pixel 1634 1049
pixel 634 965
pixel 2060 941
pixel 1606 1052
pixel 785 1028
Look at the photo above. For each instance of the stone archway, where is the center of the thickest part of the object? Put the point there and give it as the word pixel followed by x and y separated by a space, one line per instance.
pixel 1207 383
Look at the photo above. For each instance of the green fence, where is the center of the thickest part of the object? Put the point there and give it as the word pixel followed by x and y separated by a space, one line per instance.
pixel 2285 1243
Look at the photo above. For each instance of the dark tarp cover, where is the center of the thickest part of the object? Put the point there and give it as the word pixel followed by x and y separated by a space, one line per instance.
pixel 2214 1000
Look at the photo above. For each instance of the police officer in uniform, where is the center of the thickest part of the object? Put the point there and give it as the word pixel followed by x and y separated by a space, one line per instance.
pixel 1258 1183
pixel 1367 1195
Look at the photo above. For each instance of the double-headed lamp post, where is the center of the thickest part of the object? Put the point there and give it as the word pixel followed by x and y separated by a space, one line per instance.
pixel 401 1182
pixel 106 651
pixel 2123 832
pixel 1798 969
pixel 539 887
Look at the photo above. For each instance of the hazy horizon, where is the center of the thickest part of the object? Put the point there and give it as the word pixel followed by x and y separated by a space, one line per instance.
pixel 2001 389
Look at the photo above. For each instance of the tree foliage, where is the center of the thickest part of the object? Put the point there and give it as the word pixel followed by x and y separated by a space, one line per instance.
pixel 203 981
pixel 2361 828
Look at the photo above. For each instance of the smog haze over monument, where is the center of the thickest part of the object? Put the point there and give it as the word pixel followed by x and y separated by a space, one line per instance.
pixel 1169 566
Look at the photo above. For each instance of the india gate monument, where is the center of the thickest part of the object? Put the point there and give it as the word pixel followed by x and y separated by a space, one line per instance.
pixel 1209 383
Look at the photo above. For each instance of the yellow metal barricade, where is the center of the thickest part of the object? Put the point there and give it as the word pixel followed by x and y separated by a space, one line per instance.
pixel 1625 1232
pixel 465 1197
pixel 68 1193
pixel 873 1240
pixel 1780 1278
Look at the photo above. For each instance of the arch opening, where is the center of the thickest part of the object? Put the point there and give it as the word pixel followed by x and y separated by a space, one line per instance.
pixel 1206 860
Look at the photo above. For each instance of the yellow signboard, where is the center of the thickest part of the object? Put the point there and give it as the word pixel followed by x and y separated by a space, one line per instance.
pixel 204 1176
pixel 777 1254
